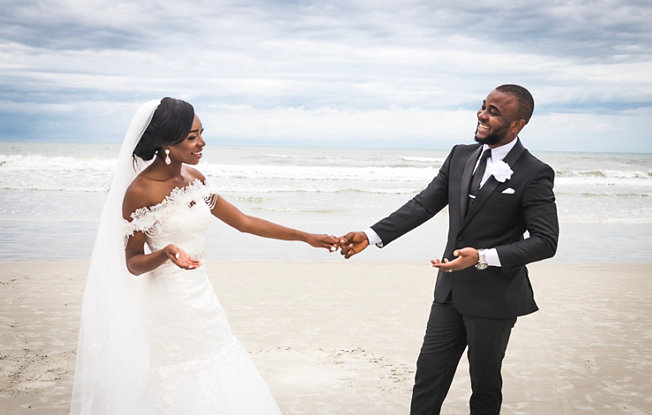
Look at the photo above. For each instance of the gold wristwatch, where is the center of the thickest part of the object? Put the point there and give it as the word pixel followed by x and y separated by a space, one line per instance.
pixel 482 262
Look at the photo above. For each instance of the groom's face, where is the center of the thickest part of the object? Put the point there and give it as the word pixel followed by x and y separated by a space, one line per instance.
pixel 496 119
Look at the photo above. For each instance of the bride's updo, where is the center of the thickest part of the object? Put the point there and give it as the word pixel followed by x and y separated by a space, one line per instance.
pixel 170 124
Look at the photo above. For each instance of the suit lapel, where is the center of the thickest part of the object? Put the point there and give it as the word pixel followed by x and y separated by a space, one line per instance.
pixel 491 184
pixel 466 179
pixel 515 153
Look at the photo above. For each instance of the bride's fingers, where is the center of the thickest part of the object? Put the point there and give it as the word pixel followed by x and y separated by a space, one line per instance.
pixel 333 247
pixel 183 260
pixel 192 265
pixel 329 242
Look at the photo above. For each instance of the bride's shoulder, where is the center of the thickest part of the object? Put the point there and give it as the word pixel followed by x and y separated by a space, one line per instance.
pixel 142 193
pixel 194 174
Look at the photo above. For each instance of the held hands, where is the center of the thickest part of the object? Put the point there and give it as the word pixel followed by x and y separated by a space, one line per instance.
pixel 466 257
pixel 349 244
pixel 181 257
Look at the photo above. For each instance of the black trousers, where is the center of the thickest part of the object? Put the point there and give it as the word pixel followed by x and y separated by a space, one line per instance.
pixel 447 335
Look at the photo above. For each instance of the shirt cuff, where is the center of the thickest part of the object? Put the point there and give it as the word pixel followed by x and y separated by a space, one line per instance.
pixel 492 258
pixel 373 237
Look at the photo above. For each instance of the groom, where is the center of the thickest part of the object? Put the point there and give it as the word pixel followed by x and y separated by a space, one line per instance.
pixel 496 192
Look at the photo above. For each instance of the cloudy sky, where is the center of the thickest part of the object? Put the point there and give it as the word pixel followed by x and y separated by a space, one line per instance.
pixel 365 73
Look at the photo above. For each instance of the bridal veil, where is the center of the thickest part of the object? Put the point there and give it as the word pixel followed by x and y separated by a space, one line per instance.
pixel 112 354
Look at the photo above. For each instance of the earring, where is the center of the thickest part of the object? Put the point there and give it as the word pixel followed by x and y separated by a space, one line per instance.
pixel 167 156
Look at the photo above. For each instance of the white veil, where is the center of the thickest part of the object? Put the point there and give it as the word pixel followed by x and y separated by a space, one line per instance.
pixel 112 355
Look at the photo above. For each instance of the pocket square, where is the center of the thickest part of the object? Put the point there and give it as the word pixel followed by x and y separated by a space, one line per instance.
pixel 508 191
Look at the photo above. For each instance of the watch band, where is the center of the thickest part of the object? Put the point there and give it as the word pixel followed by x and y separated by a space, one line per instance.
pixel 482 262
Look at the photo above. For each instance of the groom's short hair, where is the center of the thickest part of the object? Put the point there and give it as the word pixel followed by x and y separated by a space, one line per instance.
pixel 524 98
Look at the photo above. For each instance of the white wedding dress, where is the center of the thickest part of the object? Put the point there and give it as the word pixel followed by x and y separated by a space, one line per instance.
pixel 196 365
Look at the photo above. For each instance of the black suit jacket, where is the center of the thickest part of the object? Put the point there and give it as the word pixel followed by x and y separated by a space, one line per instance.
pixel 496 219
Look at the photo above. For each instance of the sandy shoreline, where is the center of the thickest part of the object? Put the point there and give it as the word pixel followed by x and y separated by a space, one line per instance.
pixel 342 338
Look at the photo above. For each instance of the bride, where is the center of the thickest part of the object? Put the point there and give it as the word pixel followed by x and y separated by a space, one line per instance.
pixel 160 343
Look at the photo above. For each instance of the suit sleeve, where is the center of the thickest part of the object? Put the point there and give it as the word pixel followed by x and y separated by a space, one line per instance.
pixel 417 210
pixel 540 215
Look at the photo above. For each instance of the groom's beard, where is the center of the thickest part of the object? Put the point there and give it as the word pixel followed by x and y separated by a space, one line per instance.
pixel 491 139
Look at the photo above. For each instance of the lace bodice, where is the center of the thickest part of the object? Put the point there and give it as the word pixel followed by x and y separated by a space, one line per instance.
pixel 181 218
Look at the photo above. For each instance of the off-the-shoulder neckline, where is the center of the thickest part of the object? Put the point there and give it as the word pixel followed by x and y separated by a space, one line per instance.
pixel 174 194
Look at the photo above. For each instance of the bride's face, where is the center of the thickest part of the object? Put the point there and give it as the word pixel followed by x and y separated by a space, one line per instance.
pixel 189 151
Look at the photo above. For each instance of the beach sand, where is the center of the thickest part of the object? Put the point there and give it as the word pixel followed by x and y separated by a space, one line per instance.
pixel 343 338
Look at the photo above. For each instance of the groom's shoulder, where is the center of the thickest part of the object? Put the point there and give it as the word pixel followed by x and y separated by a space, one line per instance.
pixel 535 165
pixel 469 147
pixel 534 159
pixel 464 149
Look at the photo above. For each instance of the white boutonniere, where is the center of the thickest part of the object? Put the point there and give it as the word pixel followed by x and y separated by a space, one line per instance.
pixel 501 171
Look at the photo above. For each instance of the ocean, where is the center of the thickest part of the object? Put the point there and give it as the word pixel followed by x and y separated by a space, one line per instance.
pixel 51 195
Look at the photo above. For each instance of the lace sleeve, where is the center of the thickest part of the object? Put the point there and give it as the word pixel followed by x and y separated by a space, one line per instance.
pixel 143 220
pixel 210 195
pixel 211 200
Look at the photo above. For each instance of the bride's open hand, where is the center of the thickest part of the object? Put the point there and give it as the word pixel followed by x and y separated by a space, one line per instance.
pixel 329 242
pixel 181 257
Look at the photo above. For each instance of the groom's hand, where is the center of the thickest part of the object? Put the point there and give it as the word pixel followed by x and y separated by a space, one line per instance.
pixel 466 257
pixel 353 243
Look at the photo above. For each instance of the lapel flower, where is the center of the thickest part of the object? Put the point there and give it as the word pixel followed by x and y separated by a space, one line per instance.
pixel 501 171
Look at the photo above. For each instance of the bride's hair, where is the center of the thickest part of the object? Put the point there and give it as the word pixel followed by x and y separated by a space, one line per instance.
pixel 170 125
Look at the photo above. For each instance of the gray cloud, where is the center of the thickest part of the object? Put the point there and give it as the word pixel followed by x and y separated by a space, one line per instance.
pixel 293 63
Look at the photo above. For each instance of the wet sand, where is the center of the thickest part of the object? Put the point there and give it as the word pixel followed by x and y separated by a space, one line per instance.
pixel 342 338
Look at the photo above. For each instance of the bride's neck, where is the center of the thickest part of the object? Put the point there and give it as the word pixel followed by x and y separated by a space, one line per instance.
pixel 161 171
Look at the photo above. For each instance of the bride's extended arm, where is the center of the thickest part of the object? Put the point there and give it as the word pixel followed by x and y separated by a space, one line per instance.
pixel 232 216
